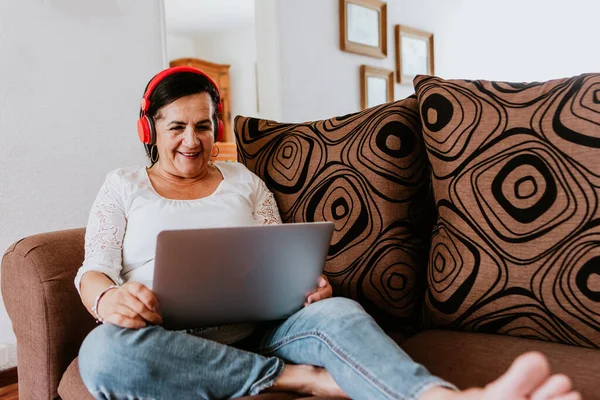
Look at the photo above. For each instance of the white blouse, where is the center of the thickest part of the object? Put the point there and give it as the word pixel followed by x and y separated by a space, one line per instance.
pixel 128 214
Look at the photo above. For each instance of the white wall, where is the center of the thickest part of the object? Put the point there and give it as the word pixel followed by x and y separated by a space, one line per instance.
pixel 268 58
pixel 318 80
pixel 236 47
pixel 524 40
pixel 179 46
pixel 71 77
pixel 517 40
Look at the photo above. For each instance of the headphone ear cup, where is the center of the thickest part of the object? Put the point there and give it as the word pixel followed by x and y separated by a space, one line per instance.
pixel 152 130
pixel 145 128
pixel 220 131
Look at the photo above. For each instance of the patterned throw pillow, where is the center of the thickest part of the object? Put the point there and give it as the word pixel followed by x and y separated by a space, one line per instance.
pixel 516 179
pixel 366 173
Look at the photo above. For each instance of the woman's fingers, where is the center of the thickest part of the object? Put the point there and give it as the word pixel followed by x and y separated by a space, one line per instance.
pixel 143 294
pixel 124 322
pixel 143 301
pixel 124 317
pixel 322 282
pixel 323 292
pixel 141 309
pixel 124 308
pixel 314 298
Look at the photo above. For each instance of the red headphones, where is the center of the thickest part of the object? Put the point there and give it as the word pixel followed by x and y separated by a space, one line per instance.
pixel 145 125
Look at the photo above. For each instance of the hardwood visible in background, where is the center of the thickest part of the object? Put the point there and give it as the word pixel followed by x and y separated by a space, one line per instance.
pixel 219 73
pixel 9 389
pixel 9 392
pixel 8 377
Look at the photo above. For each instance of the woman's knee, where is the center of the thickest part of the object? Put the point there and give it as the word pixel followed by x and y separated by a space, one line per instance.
pixel 99 351
pixel 337 304
pixel 336 309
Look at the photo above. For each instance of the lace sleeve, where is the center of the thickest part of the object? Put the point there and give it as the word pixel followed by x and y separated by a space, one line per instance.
pixel 265 208
pixel 104 235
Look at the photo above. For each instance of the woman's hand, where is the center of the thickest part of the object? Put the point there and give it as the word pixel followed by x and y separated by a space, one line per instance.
pixel 132 305
pixel 324 291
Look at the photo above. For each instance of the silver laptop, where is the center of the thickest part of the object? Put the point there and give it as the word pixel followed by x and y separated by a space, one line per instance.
pixel 217 276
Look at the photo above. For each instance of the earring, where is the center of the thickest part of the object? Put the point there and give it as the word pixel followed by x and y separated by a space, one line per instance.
pixel 153 156
pixel 218 151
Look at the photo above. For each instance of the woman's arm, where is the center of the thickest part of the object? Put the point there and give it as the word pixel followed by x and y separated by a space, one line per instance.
pixel 92 284
pixel 131 304
pixel 104 233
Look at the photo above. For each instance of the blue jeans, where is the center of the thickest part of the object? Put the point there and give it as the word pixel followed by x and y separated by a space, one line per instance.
pixel 336 334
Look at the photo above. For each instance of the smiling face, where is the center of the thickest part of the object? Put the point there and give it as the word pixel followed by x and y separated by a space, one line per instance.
pixel 185 135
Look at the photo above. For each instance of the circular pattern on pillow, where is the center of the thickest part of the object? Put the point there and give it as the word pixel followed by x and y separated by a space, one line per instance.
pixel 516 177
pixel 366 173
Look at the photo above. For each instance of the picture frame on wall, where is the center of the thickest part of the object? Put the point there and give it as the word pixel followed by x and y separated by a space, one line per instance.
pixel 414 53
pixel 376 86
pixel 363 27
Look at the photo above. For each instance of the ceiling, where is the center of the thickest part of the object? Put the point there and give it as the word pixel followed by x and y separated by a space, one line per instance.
pixel 196 17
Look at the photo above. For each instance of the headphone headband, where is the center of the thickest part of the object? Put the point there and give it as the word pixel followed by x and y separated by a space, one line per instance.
pixel 170 71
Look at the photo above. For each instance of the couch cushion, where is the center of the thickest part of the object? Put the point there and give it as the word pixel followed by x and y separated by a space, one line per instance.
pixel 72 388
pixel 48 317
pixel 474 359
pixel 366 173
pixel 516 178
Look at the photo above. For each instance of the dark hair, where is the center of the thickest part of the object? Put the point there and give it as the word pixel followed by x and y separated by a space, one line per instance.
pixel 176 86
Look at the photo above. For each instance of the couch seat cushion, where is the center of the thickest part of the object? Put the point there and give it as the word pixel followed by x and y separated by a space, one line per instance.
pixel 366 173
pixel 475 359
pixel 516 178
pixel 71 386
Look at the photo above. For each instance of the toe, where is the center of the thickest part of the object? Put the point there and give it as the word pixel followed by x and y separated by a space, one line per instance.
pixel 569 396
pixel 526 374
pixel 555 386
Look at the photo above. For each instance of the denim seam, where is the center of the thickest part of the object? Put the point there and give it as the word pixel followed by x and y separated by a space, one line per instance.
pixel 267 381
pixel 342 355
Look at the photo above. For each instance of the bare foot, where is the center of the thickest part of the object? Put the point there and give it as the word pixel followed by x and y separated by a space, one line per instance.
pixel 325 385
pixel 528 378
pixel 307 379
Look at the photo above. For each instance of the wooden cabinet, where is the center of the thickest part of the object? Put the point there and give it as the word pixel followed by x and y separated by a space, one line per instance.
pixel 220 74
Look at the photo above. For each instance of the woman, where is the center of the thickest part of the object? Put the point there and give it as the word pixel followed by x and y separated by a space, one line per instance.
pixel 319 350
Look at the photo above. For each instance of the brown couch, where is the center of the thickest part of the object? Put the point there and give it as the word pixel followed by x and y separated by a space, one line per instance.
pixel 50 322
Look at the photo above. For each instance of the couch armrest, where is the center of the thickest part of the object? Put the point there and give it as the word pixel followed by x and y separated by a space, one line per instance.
pixel 47 315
